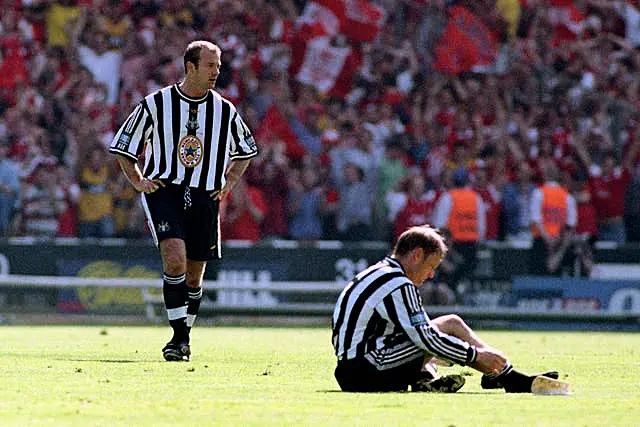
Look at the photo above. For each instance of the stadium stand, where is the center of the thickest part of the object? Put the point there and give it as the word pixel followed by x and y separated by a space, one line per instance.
pixel 349 100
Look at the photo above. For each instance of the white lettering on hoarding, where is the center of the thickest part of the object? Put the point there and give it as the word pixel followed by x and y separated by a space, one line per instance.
pixel 625 300
pixel 4 265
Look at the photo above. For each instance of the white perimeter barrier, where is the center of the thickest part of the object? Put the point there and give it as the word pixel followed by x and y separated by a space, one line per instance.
pixel 242 292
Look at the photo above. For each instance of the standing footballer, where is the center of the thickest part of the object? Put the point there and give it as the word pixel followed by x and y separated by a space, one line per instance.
pixel 196 147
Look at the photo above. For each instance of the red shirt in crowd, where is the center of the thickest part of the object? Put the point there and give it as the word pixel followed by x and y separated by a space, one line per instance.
pixel 415 212
pixel 587 219
pixel 607 192
pixel 491 199
pixel 245 227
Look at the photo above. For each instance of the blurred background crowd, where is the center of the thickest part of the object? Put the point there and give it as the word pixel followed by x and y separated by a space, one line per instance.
pixel 366 111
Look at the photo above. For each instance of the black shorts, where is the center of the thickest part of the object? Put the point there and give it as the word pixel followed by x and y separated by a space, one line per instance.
pixel 190 214
pixel 358 375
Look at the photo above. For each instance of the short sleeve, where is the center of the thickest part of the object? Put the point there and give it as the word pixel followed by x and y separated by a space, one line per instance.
pixel 243 145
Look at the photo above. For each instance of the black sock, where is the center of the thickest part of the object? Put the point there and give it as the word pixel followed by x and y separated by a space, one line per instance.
pixel 174 289
pixel 195 296
pixel 514 381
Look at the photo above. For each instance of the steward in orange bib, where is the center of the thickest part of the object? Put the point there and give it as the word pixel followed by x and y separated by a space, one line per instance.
pixel 553 218
pixel 462 213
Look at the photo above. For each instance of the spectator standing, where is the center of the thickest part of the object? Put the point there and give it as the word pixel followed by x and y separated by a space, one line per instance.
pixel 304 206
pixel 461 212
pixel 68 223
pixel 43 202
pixel 415 207
pixel 516 197
pixel 355 210
pixel 269 173
pixel 609 181
pixel 391 171
pixel 9 188
pixel 553 219
pixel 62 18
pixel 243 213
pixel 586 226
pixel 95 206
pixel 103 63
pixel 492 199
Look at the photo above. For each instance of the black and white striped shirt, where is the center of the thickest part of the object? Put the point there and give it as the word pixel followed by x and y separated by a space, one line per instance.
pixel 379 316
pixel 185 140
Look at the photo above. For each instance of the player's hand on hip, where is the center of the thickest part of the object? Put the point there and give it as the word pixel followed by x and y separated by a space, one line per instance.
pixel 220 194
pixel 224 192
pixel 149 186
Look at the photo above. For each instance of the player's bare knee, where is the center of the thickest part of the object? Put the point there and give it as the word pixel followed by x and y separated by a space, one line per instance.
pixel 174 257
pixel 450 324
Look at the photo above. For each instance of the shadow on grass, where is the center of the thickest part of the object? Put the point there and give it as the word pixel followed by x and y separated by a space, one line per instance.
pixel 403 392
pixel 111 360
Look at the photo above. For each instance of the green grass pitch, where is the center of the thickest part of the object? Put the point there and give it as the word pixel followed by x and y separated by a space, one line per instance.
pixel 115 376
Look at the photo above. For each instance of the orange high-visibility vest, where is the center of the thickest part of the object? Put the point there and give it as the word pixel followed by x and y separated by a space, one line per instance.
pixel 554 210
pixel 463 218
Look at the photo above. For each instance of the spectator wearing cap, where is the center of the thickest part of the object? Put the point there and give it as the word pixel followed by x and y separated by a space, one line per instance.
pixel 461 212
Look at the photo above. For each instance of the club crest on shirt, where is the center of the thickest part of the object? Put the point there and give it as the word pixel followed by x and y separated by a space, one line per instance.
pixel 190 151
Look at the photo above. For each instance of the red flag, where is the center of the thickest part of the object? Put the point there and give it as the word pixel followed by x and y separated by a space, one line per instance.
pixel 275 126
pixel 325 65
pixel 326 13
pixel 465 43
pixel 344 80
pixel 359 20
pixel 362 20
pixel 309 26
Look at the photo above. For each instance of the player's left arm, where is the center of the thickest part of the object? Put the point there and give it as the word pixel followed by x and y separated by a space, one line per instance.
pixel 242 149
pixel 235 170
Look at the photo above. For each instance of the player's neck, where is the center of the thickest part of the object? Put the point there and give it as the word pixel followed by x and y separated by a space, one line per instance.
pixel 190 90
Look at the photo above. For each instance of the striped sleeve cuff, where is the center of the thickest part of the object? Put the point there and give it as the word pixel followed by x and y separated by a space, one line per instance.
pixel 472 353
pixel 123 153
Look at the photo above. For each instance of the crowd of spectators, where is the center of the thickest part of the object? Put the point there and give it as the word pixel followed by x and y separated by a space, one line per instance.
pixel 361 163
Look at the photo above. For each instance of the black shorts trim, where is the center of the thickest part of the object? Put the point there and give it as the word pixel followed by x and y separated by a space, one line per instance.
pixel 358 375
pixel 189 214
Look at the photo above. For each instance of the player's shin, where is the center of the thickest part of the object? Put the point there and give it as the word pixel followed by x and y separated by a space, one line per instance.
pixel 176 299
pixel 195 296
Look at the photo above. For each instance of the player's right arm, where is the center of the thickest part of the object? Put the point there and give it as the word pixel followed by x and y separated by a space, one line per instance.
pixel 134 175
pixel 404 309
pixel 128 145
